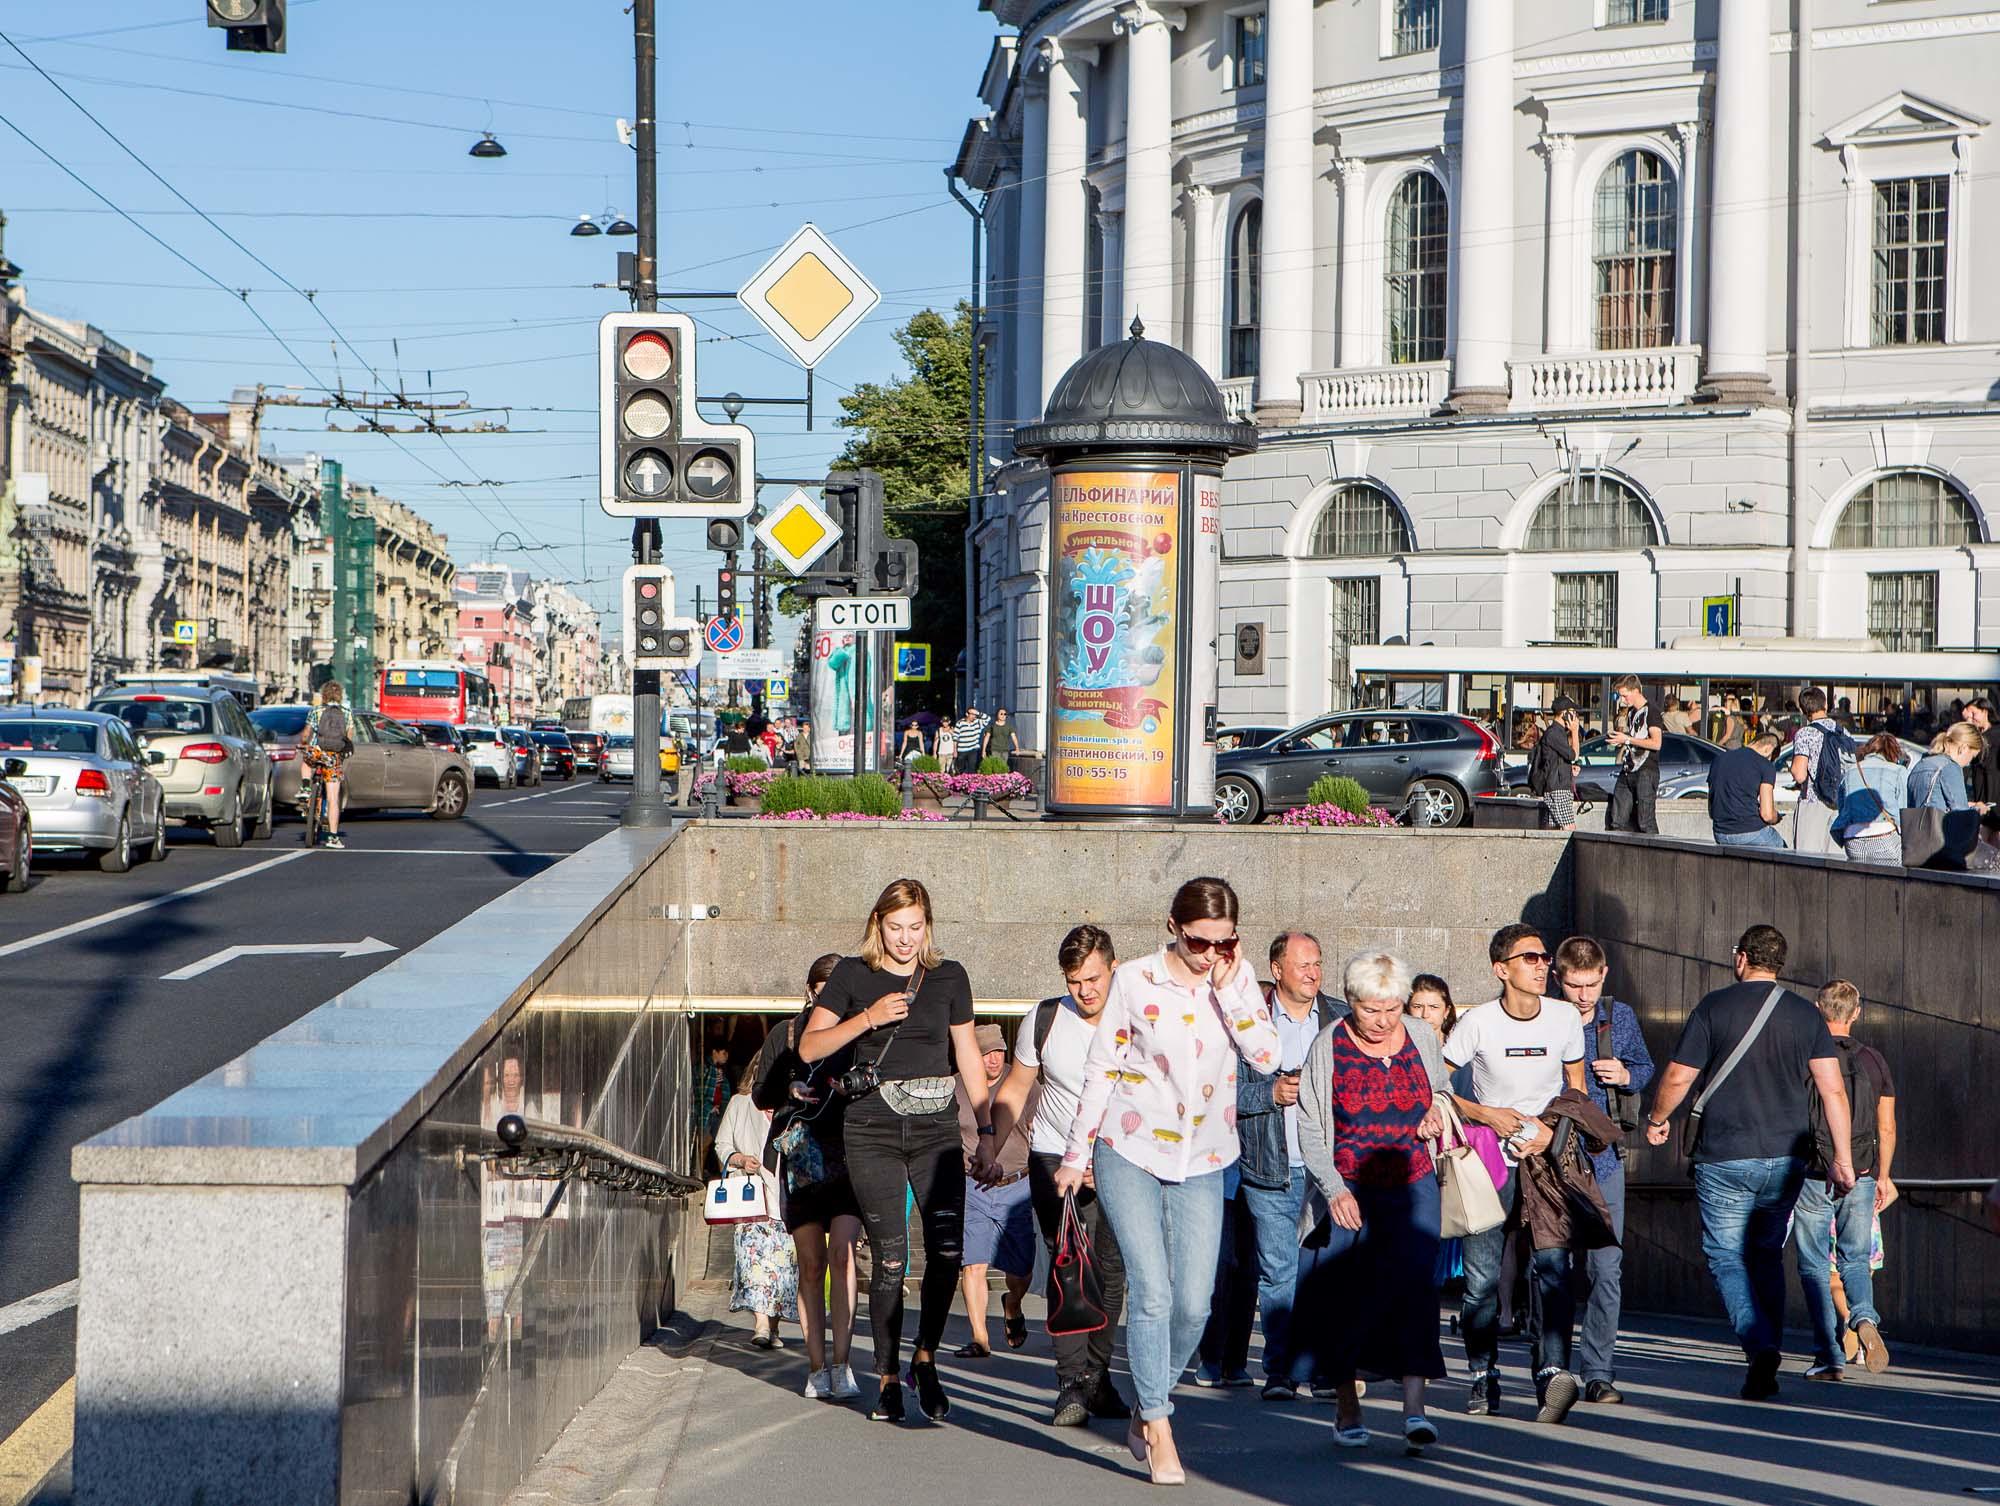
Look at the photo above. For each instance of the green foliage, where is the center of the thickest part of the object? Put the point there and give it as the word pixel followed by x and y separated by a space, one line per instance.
pixel 872 795
pixel 994 765
pixel 743 763
pixel 1338 790
pixel 799 792
pixel 926 763
pixel 831 795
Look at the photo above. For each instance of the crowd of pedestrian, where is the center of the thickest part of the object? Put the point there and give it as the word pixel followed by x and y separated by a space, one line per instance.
pixel 1238 1152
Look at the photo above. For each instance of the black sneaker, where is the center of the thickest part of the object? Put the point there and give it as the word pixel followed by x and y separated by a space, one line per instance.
pixel 1072 1406
pixel 1602 1393
pixel 888 1405
pixel 1105 1402
pixel 930 1393
pixel 1760 1381
pixel 1559 1394
pixel 1483 1398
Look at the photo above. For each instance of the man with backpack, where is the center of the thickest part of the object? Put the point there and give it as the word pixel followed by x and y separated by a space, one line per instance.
pixel 328 739
pixel 1637 791
pixel 1822 753
pixel 1832 1227
pixel 1049 1053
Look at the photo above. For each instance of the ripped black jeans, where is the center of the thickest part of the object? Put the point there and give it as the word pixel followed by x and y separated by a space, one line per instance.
pixel 886 1152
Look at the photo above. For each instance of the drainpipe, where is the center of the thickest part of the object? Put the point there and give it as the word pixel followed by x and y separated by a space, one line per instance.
pixel 1972 560
pixel 975 467
pixel 1795 604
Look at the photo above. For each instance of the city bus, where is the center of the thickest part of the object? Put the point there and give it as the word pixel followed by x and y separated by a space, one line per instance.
pixel 243 687
pixel 609 714
pixel 437 690
pixel 1867 687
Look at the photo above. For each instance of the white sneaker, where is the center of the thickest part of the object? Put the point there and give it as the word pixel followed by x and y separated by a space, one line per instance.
pixel 819 1385
pixel 841 1378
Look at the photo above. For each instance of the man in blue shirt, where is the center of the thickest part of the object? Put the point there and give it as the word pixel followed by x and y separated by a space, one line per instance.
pixel 1619 1069
pixel 1742 795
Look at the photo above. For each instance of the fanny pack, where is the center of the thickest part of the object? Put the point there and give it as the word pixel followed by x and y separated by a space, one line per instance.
pixel 915 1096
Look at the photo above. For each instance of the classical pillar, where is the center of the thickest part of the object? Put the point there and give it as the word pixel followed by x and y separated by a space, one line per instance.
pixel 1284 344
pixel 1063 209
pixel 1147 286
pixel 1356 348
pixel 1739 212
pixel 1485 228
pixel 1688 134
pixel 1563 301
pixel 1025 316
pixel 1205 273
pixel 1111 323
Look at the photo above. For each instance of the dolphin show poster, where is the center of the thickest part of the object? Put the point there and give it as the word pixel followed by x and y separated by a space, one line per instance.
pixel 1117 583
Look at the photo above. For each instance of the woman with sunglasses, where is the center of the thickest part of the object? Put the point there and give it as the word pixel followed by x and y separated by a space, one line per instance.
pixel 1156 1128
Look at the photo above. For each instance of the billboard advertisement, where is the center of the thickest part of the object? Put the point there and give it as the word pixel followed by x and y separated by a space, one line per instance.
pixel 1115 713
pixel 838 656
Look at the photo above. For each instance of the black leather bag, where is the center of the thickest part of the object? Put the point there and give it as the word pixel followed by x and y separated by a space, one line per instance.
pixel 1934 838
pixel 1079 1304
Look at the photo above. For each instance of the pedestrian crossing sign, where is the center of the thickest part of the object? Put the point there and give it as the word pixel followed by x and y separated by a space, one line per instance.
pixel 777 689
pixel 184 630
pixel 913 663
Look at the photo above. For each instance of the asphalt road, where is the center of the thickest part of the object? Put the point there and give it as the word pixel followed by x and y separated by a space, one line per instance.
pixel 93 1032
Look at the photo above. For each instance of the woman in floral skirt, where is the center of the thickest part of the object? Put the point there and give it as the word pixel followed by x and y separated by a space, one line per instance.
pixel 766 1281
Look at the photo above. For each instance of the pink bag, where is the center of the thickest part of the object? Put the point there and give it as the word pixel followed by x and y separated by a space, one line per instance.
pixel 1487 1144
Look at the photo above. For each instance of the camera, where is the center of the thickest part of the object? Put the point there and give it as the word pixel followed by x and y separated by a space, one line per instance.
pixel 858 1082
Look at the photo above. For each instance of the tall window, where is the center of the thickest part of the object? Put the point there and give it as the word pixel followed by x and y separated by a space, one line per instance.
pixel 1355 620
pixel 1246 253
pixel 1597 511
pixel 1909 281
pixel 1247 67
pixel 1907 510
pixel 1414 25
pixel 1359 521
pixel 1418 245
pixel 1587 610
pixel 1634 12
pixel 1634 253
pixel 1902 611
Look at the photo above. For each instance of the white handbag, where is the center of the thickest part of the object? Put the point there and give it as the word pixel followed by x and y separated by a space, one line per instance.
pixel 1468 1202
pixel 735 1198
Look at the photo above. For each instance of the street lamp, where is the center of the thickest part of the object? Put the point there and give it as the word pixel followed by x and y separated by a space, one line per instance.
pixel 585 225
pixel 487 146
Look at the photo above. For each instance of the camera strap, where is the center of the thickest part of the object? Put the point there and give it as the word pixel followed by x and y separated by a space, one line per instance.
pixel 909 998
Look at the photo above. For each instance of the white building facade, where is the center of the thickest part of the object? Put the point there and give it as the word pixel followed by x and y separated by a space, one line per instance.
pixel 1563 322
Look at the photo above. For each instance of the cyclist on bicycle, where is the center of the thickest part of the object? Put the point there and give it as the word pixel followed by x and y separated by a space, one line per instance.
pixel 328 740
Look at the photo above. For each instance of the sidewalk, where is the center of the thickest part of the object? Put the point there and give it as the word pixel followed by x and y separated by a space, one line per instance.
pixel 699 1418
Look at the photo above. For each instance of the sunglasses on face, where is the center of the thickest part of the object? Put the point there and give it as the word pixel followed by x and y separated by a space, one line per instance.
pixel 1200 946
pixel 1536 959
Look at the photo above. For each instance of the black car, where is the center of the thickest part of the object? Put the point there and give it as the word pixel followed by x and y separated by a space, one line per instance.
pixel 1426 765
pixel 589 748
pixel 1684 762
pixel 1229 739
pixel 558 756
pixel 439 735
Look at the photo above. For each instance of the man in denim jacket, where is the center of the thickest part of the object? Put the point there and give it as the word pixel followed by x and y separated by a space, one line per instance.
pixel 1261 1218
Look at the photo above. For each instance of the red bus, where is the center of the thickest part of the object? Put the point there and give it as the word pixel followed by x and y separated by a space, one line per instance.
pixel 437 690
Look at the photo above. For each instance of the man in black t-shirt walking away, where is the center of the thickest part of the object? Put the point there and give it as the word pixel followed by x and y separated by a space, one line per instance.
pixel 1638 745
pixel 1760 1053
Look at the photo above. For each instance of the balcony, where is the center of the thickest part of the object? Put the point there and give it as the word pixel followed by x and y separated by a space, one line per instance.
pixel 1239 396
pixel 1356 392
pixel 1649 378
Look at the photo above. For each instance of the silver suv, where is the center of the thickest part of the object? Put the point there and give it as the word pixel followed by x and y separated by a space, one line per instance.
pixel 216 771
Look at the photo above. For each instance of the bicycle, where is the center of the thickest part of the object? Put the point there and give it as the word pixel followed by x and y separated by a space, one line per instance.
pixel 316 797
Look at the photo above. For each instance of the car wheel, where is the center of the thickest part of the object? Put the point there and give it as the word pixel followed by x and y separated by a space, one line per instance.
pixel 451 798
pixel 117 858
pixel 157 853
pixel 1437 803
pixel 262 831
pixel 228 832
pixel 24 858
pixel 1237 802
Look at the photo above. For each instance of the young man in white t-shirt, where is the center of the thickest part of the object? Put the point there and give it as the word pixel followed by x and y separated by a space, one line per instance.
pixel 1523 1049
pixel 1049 1052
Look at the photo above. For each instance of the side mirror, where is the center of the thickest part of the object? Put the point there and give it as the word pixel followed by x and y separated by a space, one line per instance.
pixel 266 735
pixel 155 756
pixel 14 768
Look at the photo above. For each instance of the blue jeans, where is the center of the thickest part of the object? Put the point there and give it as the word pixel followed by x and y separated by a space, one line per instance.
pixel 1745 1208
pixel 1479 1314
pixel 1764 836
pixel 1817 1221
pixel 1168 1234
pixel 1599 1277
pixel 1275 1215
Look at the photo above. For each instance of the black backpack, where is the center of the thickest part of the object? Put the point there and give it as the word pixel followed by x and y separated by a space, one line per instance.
pixel 332 734
pixel 1045 1021
pixel 1863 1093
pixel 1835 748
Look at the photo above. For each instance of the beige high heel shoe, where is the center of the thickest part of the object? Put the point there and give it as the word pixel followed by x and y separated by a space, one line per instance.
pixel 1162 1472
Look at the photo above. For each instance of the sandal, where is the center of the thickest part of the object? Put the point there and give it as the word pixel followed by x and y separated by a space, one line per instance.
pixel 1017 1331
pixel 1351 1435
pixel 973 1351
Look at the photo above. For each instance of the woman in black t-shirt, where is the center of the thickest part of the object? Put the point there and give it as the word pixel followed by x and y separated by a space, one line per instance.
pixel 907 1013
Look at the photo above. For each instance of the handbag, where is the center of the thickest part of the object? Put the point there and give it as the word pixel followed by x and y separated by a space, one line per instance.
pixel 1079 1305
pixel 736 1197
pixel 1691 1130
pixel 1939 839
pixel 1468 1200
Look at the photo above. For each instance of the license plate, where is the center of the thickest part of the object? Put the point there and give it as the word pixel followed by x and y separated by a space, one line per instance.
pixel 33 784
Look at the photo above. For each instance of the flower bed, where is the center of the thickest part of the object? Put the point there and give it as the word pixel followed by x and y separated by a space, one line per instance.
pixel 806 815
pixel 996 787
pixel 749 783
pixel 1333 815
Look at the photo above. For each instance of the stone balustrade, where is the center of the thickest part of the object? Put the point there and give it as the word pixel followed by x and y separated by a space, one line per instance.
pixel 1375 391
pixel 1239 396
pixel 1648 378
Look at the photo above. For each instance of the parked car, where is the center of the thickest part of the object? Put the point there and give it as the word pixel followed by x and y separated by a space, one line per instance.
pixel 87 783
pixel 558 757
pixel 1229 739
pixel 617 762
pixel 391 766
pixel 546 724
pixel 440 735
pixel 589 748
pixel 527 755
pixel 217 767
pixel 17 829
pixel 1423 764
pixel 491 756
pixel 1684 761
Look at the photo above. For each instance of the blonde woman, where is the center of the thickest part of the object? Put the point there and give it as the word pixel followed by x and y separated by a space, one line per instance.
pixel 329 738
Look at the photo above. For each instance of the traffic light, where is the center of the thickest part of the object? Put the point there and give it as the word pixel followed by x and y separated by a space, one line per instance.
pixel 657 456
pixel 655 639
pixel 252 25
pixel 896 567
pixel 725 534
pixel 725 587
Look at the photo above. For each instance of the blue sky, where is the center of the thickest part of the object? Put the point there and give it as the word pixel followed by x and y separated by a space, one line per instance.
pixel 343 164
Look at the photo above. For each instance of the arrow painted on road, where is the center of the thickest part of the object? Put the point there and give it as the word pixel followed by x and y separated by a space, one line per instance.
pixel 366 947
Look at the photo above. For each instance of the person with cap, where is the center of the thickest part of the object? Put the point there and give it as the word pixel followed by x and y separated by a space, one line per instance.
pixel 1552 765
pixel 999 1214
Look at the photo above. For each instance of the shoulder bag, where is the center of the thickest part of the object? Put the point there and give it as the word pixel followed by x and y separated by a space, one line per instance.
pixel 1079 1304
pixel 736 1197
pixel 912 1097
pixel 1691 1130
pixel 1468 1201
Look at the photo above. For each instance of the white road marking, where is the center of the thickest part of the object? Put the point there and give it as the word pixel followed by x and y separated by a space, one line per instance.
pixel 111 917
pixel 42 1305
pixel 446 852
pixel 561 789
pixel 367 946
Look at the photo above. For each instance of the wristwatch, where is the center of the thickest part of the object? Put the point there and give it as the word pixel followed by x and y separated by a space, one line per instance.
pixel 1656 1123
pixel 986 1129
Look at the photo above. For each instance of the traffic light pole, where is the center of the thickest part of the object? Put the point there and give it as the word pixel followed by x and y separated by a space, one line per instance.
pixel 648 807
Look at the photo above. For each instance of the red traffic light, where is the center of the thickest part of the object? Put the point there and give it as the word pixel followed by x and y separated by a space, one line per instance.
pixel 649 355
pixel 649 589
pixel 725 577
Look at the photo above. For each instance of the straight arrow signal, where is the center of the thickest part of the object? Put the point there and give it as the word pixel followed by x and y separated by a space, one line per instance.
pixel 366 947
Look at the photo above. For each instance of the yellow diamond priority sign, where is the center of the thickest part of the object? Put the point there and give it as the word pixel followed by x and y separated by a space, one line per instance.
pixel 797 532
pixel 809 296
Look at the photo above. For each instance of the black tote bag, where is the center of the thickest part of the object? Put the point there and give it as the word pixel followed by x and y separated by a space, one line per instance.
pixel 1079 1306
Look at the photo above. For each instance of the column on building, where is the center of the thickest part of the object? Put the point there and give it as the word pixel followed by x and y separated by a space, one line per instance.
pixel 1561 326
pixel 1284 343
pixel 1111 320
pixel 1357 345
pixel 1025 315
pixel 1485 221
pixel 1687 135
pixel 1739 210
pixel 1148 260
pixel 1205 275
pixel 1064 241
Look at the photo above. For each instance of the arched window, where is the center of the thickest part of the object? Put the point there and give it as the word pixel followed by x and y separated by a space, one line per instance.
pixel 1246 254
pixel 1417 245
pixel 1907 510
pixel 1633 252
pixel 1359 521
pixel 1597 511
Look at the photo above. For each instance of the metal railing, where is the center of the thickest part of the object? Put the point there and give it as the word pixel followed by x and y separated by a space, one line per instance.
pixel 537 1150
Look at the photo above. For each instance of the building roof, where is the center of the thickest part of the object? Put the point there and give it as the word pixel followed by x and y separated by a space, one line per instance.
pixel 1137 394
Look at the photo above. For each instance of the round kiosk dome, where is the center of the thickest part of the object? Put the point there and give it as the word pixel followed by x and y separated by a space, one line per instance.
pixel 1136 395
